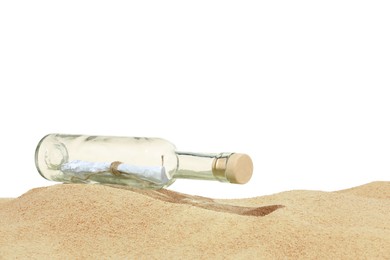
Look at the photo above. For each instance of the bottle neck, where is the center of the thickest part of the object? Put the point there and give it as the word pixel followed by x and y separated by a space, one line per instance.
pixel 201 166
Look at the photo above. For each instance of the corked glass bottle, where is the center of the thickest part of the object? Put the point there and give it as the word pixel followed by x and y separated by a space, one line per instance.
pixel 149 163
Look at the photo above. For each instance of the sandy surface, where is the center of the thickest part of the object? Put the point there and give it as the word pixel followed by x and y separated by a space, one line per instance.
pixel 93 221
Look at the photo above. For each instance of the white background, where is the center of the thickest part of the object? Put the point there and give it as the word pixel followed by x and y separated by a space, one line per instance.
pixel 301 86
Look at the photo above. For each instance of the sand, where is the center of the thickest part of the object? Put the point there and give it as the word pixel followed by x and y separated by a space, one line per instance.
pixel 75 221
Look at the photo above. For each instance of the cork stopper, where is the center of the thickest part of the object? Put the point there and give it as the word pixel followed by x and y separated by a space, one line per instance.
pixel 237 168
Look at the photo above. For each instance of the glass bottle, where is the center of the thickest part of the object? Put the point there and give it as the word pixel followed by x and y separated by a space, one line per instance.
pixel 149 163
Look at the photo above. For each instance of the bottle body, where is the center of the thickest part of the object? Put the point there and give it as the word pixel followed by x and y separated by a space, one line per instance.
pixel 147 163
pixel 55 152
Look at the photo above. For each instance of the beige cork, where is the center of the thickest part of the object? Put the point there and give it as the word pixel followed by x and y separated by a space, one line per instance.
pixel 239 168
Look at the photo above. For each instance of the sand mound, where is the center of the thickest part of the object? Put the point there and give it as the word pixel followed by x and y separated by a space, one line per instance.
pixel 378 189
pixel 94 221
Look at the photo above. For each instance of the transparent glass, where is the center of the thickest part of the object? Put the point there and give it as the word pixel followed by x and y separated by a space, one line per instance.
pixel 149 163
